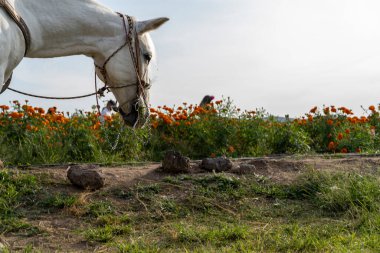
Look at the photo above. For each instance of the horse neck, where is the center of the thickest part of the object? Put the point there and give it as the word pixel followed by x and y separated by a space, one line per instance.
pixel 70 27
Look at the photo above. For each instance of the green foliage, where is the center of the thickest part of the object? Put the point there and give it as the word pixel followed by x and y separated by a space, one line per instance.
pixel 16 190
pixel 217 129
pixel 218 235
pixel 106 233
pixel 100 208
pixel 59 201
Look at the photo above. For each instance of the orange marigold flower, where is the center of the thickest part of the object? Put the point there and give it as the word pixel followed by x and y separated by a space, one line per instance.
pixel 231 149
pixel 167 120
pixel 52 110
pixel 310 118
pixel 345 110
pixel 363 119
pixel 218 102
pixel 326 110
pixel 344 150
pixel 340 136
pixel 4 107
pixel 107 118
pixel 330 122
pixel 358 150
pixel 16 115
pixel 96 126
pixel 155 124
pixel 314 109
pixel 348 131
pixel 331 145
pixel 333 109
pixel 372 108
pixel 170 110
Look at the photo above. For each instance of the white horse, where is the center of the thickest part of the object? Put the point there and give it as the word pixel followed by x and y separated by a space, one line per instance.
pixel 84 27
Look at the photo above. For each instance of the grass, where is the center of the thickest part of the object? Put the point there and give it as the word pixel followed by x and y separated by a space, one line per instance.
pixel 306 215
pixel 16 190
pixel 59 201
pixel 106 233
pixel 316 212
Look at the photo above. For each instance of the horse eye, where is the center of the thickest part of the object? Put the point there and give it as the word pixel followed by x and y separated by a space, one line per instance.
pixel 148 57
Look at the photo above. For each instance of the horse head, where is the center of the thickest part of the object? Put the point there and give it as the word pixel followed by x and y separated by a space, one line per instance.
pixel 126 70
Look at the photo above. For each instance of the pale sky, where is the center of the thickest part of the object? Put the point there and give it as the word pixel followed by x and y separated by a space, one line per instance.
pixel 284 55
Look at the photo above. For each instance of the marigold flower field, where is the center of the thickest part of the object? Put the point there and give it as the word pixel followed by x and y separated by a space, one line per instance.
pixel 34 135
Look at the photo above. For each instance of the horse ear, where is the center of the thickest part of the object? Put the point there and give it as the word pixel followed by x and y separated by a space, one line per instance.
pixel 150 25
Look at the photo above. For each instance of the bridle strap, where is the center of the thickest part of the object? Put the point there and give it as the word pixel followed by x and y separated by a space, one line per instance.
pixel 135 55
pixel 19 21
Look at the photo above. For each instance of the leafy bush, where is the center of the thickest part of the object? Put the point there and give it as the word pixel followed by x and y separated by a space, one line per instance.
pixel 29 135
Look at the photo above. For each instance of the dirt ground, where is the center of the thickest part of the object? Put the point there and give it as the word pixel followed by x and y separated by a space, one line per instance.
pixel 279 169
pixel 59 226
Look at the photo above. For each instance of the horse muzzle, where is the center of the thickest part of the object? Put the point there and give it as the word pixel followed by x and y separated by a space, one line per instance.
pixel 136 117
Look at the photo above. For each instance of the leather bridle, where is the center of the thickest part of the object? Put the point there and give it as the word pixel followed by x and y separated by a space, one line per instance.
pixel 131 36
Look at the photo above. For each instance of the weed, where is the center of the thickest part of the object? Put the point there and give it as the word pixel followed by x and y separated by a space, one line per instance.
pixel 106 233
pixel 100 208
pixel 135 248
pixel 216 235
pixel 16 190
pixel 59 201
pixel 113 219
pixel 148 190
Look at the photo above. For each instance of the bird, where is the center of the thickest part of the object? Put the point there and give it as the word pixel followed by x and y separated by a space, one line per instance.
pixel 206 100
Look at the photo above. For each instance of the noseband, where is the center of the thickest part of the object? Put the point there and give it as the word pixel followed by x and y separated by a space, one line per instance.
pixel 131 36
